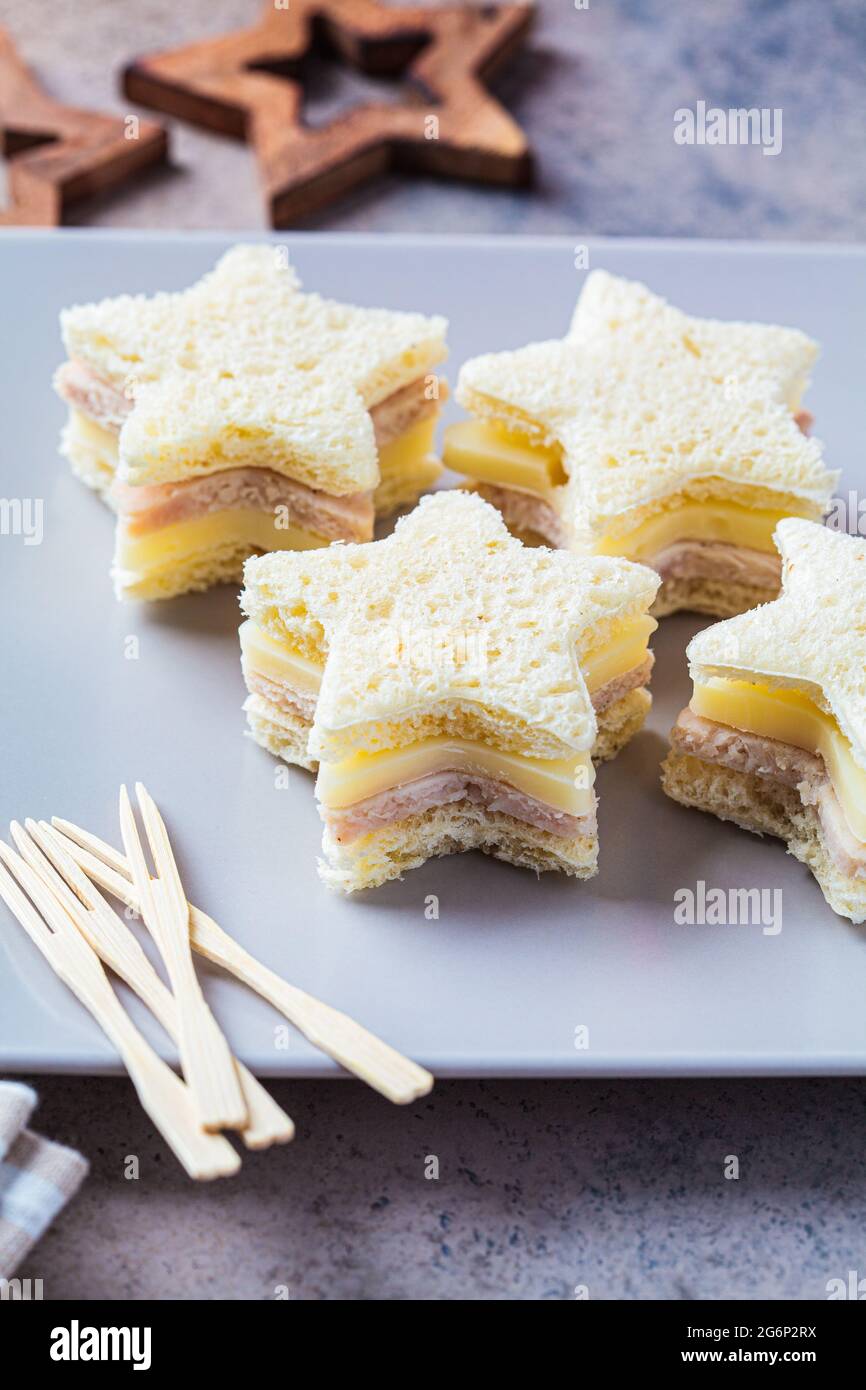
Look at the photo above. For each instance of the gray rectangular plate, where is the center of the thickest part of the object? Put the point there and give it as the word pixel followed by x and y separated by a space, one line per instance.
pixel 513 966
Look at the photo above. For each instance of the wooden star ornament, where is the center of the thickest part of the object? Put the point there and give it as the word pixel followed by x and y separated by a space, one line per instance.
pixel 245 84
pixel 60 154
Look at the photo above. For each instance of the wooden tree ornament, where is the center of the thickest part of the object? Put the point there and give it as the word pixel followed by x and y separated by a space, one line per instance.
pixel 246 84
pixel 60 154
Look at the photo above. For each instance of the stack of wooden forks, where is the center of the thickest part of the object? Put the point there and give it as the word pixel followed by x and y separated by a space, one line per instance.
pixel 54 886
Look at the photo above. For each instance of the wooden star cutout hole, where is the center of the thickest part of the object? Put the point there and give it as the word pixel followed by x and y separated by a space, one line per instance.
pixel 247 84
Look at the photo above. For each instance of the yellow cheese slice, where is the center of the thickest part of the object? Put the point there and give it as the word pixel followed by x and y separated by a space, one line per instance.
pixel 488 453
pixel 164 548
pixel 267 657
pixel 87 431
pixel 278 661
pixel 750 528
pixel 408 452
pixel 791 717
pixel 626 650
pixel 565 784
pixel 491 454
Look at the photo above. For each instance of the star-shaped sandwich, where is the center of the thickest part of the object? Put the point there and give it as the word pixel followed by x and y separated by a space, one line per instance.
pixel 671 440
pixel 774 737
pixel 243 415
pixel 453 686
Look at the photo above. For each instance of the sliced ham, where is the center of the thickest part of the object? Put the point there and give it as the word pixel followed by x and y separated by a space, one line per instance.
pixel 282 696
pixel 729 564
pixel 442 789
pixel 687 559
pixel 81 387
pixel 614 690
pixel 524 511
pixel 847 852
pixel 148 508
pixel 403 409
pixel 337 518
pixel 751 753
pixel 445 787
pixel 779 762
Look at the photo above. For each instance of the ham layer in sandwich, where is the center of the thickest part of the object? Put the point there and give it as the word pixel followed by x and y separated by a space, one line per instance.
pixel 243 415
pixel 452 687
pixel 774 737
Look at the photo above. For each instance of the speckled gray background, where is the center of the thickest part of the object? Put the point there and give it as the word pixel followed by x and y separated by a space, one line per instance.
pixel 596 89
pixel 542 1186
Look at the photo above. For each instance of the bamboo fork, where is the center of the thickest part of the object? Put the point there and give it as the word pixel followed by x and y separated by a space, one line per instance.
pixel 162 1094
pixel 42 848
pixel 359 1051
pixel 205 1057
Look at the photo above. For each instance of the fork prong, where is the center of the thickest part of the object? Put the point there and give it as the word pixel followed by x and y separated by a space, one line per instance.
pixel 67 951
pixel 112 858
pixel 52 847
pixel 137 862
pixel 160 847
pixel 33 855
pixel 382 1067
pixel 62 929
pixel 19 905
pixel 97 870
pixel 118 948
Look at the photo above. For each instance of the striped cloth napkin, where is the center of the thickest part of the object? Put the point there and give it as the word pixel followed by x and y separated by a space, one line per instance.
pixel 37 1178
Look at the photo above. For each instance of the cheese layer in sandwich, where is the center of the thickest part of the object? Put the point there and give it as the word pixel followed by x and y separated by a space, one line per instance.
pixel 774 737
pixel 452 686
pixel 674 441
pixel 243 415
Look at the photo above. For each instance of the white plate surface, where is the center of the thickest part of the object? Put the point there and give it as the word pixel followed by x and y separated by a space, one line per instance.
pixel 513 965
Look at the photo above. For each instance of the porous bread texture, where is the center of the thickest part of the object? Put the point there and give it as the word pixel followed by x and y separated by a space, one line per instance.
pixel 93 456
pixel 610 304
pixel 811 638
pixel 504 624
pixel 715 597
pixel 387 853
pixel 306 425
pixel 719 599
pixel 634 433
pixel 618 724
pixel 275 595
pixel 284 734
pixel 251 306
pixel 642 412
pixel 246 318
pixel 766 807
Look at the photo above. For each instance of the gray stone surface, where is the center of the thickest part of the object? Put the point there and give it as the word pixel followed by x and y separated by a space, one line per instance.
pixel 596 89
pixel 542 1186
